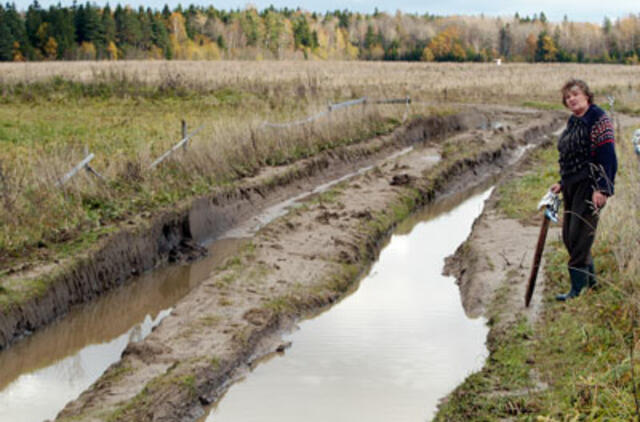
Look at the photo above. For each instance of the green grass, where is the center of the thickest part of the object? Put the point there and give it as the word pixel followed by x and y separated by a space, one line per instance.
pixel 45 127
pixel 584 351
pixel 542 105
pixel 519 197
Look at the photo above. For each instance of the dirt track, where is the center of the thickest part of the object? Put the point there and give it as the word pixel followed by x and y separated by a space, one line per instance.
pixel 293 267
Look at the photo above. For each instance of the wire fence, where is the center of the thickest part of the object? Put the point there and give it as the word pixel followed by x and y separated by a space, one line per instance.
pixel 186 137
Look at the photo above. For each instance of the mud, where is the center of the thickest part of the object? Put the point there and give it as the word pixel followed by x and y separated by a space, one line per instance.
pixel 294 266
pixel 492 267
pixel 175 235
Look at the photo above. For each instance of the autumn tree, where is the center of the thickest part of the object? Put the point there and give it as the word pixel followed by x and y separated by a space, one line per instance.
pixel 546 50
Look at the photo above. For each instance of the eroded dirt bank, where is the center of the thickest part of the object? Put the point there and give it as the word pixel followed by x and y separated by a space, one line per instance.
pixel 293 267
pixel 174 235
pixel 492 269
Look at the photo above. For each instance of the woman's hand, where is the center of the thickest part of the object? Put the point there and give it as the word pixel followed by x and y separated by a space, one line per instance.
pixel 599 199
pixel 556 188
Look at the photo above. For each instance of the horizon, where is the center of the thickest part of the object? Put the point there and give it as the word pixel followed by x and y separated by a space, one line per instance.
pixel 590 10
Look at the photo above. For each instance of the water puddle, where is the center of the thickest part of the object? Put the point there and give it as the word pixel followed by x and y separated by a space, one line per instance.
pixel 387 352
pixel 251 226
pixel 53 366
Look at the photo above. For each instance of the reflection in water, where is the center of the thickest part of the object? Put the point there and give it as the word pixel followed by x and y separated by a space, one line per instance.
pixel 388 352
pixel 40 374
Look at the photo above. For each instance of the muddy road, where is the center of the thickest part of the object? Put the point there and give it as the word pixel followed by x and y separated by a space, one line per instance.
pixel 297 264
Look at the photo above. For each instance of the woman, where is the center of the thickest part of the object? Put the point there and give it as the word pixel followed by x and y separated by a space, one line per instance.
pixel 588 166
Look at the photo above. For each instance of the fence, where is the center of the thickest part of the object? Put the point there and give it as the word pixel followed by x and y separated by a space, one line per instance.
pixel 184 142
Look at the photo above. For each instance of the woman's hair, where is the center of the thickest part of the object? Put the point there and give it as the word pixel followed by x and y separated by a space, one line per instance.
pixel 580 84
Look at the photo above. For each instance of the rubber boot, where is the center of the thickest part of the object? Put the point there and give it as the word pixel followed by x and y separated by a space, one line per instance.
pixel 579 279
pixel 592 283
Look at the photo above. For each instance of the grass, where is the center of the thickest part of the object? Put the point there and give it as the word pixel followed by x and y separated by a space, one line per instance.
pixel 128 114
pixel 127 134
pixel 519 197
pixel 585 352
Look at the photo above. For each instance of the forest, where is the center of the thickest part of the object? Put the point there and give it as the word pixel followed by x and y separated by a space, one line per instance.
pixel 89 32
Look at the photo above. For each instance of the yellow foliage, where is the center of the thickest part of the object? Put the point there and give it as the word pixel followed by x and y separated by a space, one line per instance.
pixel 17 54
pixel 447 45
pixel 112 50
pixel 427 55
pixel 549 49
pixel 530 49
pixel 51 49
pixel 212 51
pixel 377 52
pixel 155 53
pixel 177 28
pixel 87 51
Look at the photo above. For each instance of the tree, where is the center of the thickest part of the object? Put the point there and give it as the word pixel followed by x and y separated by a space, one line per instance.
pixel 427 55
pixel 446 46
pixel 128 31
pixel 88 24
pixel 274 29
pixel 301 33
pixel 63 29
pixel 505 42
pixel 6 39
pixel 112 51
pixel 546 50
pixel 530 48
pixel 108 26
pixel 250 23
pixel 160 36
pixel 51 49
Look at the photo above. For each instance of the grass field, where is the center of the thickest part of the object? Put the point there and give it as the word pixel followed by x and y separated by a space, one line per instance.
pixel 128 114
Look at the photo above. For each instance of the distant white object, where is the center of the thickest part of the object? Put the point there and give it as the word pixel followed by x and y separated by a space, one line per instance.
pixel 498 62
pixel 636 137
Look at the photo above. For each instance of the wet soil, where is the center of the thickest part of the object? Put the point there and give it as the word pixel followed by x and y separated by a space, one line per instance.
pixel 495 262
pixel 174 235
pixel 294 266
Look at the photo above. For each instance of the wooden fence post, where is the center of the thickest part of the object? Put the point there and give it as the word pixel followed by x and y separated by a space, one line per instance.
pixel 184 134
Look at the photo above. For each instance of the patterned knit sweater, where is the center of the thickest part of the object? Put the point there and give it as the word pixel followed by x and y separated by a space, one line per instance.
pixel 587 150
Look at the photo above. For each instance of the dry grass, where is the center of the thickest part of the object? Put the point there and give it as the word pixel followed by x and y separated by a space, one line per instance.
pixel 425 81
pixel 128 113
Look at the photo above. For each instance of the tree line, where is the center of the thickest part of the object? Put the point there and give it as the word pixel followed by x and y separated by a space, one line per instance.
pixel 90 32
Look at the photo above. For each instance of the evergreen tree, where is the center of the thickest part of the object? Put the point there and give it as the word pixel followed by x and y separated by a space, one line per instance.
pixel 370 37
pixel 33 21
pixel 108 26
pixel 13 26
pixel 160 35
pixel 6 38
pixel 301 32
pixel 546 50
pixel 146 29
pixel 62 27
pixel 166 12
pixel 128 31
pixel 88 24
pixel 505 42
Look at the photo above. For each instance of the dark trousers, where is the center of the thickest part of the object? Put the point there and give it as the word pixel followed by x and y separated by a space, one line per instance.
pixel 579 222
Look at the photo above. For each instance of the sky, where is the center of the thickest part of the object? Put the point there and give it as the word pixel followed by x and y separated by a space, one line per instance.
pixel 576 10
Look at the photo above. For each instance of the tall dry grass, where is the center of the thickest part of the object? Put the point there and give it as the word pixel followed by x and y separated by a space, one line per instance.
pixel 128 114
pixel 36 216
pixel 426 81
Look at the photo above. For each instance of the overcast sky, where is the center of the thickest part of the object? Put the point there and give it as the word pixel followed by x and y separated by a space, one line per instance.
pixel 576 10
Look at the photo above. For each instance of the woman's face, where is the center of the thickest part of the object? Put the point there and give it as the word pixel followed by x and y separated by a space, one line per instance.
pixel 577 101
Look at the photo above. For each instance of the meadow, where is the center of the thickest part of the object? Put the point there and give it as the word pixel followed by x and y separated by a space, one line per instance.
pixel 129 113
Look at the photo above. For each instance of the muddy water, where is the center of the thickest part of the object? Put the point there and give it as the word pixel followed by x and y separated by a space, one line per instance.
pixel 389 351
pixel 40 374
